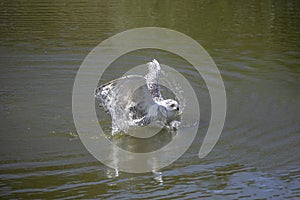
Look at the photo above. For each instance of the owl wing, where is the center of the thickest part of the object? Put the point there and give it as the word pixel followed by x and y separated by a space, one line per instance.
pixel 152 80
pixel 129 93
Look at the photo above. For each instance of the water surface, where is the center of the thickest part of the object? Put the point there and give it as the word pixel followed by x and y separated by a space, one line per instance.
pixel 254 44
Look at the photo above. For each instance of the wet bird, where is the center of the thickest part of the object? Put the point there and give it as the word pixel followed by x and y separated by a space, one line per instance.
pixel 142 106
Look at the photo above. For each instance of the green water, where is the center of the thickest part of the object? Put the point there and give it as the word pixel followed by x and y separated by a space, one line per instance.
pixel 256 46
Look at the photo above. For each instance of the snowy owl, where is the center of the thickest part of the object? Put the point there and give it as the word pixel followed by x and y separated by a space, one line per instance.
pixel 142 106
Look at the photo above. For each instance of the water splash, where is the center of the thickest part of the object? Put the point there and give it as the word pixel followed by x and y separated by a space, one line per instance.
pixel 126 103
